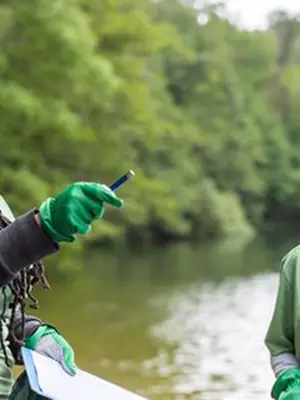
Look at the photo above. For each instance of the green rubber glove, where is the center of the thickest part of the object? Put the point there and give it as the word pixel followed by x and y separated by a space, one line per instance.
pixel 287 385
pixel 48 342
pixel 74 209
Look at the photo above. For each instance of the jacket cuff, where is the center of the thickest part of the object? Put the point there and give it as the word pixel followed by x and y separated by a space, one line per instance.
pixel 31 325
pixel 282 362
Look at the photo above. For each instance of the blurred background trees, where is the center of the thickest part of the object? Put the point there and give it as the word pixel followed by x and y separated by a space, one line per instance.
pixel 207 114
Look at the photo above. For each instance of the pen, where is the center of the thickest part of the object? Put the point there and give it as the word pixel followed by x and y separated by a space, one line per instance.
pixel 122 180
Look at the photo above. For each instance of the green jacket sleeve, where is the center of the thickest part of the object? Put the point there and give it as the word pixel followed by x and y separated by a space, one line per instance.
pixel 283 334
pixel 280 335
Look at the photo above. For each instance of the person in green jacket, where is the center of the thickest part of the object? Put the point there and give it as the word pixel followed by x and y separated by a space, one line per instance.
pixel 24 242
pixel 283 335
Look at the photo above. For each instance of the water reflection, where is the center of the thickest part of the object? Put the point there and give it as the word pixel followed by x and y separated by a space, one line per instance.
pixel 217 331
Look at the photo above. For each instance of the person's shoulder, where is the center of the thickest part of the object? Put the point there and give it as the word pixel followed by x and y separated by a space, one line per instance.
pixel 292 254
pixel 291 260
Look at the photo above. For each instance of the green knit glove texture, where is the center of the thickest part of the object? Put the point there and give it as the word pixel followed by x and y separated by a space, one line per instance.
pixel 47 341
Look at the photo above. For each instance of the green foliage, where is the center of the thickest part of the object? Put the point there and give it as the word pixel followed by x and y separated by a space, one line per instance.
pixel 206 114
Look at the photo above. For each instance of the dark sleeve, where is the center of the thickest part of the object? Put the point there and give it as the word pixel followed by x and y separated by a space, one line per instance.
pixel 31 324
pixel 22 243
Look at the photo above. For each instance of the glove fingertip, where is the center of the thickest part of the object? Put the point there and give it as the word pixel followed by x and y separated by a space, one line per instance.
pixel 70 370
pixel 88 229
pixel 116 202
pixel 84 230
pixel 73 371
pixel 110 197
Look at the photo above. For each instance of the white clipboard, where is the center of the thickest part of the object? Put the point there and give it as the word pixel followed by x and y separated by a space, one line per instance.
pixel 47 378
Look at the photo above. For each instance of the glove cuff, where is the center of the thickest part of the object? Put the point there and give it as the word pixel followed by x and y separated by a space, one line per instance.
pixel 47 223
pixel 32 341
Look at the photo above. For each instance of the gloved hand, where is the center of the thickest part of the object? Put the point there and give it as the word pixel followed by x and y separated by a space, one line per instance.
pixel 48 342
pixel 287 385
pixel 74 209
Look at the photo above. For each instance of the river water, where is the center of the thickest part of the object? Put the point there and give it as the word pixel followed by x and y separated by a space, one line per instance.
pixel 175 322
